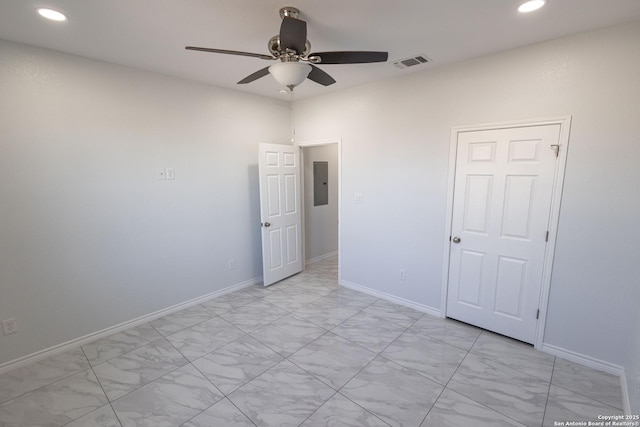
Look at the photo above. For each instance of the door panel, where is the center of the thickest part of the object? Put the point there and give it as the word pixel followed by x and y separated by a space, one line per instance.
pixel 292 243
pixel 291 192
pixel 510 284
pixel 275 242
pixel 280 210
pixel 478 203
pixel 502 200
pixel 273 194
pixel 484 152
pixel 471 271
pixel 518 204
pixel 524 151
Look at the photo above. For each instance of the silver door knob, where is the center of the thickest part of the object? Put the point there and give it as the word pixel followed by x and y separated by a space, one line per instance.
pixel 456 239
pixel 267 224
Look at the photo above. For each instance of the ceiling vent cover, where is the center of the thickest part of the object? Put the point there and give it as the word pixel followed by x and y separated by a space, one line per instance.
pixel 412 62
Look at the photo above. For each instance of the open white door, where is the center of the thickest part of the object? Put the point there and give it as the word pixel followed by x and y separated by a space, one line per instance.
pixel 504 182
pixel 280 211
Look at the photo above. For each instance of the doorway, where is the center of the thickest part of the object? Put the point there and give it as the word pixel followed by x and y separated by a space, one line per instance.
pixel 321 199
pixel 504 196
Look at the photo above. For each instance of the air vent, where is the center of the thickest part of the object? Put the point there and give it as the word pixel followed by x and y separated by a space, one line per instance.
pixel 412 62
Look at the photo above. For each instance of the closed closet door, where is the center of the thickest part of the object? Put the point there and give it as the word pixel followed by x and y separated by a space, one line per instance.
pixel 504 183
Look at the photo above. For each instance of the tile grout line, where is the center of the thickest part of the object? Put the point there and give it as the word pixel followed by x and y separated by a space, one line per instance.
pixel 470 398
pixel 102 388
pixel 448 381
pixel 584 396
pixel 50 383
pixel 213 351
pixel 546 402
pixel 241 411
pixel 376 355
pixel 224 395
pixel 186 327
pixel 318 408
pixel 451 377
pixel 496 360
pixel 290 361
pixel 283 358
pixel 142 385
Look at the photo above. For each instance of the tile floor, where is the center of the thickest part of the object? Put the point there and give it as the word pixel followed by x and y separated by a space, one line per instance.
pixel 304 352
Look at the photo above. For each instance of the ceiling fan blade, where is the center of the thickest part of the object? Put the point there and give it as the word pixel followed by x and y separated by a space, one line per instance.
pixel 351 57
pixel 254 76
pixel 230 52
pixel 293 34
pixel 319 76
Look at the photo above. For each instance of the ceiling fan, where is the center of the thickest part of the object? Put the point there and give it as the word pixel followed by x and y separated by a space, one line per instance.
pixel 291 49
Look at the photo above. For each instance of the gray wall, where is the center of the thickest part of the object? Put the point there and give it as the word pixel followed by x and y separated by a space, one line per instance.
pixel 89 238
pixel 395 147
pixel 321 222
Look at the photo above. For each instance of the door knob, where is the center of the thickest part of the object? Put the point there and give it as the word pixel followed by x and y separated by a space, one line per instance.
pixel 267 224
pixel 456 239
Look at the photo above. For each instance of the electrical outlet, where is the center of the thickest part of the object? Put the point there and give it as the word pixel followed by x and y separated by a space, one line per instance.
pixel 357 198
pixel 403 274
pixel 232 264
pixel 9 326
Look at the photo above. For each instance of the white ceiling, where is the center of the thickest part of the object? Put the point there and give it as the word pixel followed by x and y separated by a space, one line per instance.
pixel 152 34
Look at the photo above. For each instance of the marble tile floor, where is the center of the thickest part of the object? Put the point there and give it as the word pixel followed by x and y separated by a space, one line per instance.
pixel 304 352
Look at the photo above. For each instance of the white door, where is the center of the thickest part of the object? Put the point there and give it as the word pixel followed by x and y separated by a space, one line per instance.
pixel 504 182
pixel 280 211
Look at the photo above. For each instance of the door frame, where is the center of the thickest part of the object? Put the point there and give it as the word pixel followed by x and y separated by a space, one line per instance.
pixel 314 143
pixel 556 198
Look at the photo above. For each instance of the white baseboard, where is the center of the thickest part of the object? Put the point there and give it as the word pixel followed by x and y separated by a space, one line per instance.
pixel 626 400
pixel 392 298
pixel 594 363
pixel 74 343
pixel 321 257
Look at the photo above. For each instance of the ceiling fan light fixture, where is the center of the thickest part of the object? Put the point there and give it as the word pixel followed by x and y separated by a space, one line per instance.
pixel 290 74
pixel 531 5
pixel 51 14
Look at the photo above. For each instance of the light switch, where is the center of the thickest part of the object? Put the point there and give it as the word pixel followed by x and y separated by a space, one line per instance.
pixel 171 173
pixel 162 173
pixel 357 198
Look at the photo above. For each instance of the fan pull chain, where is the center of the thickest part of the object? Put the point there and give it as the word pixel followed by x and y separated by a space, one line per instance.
pixel 293 118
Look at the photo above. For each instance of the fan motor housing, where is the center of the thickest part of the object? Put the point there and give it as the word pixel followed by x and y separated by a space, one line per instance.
pixel 274 47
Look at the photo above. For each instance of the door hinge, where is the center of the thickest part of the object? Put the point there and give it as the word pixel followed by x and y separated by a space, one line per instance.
pixel 546 239
pixel 537 314
pixel 556 148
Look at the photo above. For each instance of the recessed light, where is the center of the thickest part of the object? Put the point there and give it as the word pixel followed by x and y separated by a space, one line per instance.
pixel 284 92
pixel 51 14
pixel 531 5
